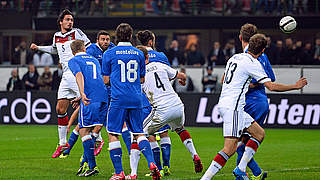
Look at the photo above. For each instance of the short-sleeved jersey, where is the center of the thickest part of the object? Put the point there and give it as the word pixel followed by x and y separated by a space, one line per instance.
pixel 96 51
pixel 259 90
pixel 62 43
pixel 125 65
pixel 157 85
pixel 240 69
pixel 89 66
pixel 155 56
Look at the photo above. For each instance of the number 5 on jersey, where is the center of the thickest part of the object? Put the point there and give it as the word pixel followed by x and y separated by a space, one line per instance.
pixel 132 67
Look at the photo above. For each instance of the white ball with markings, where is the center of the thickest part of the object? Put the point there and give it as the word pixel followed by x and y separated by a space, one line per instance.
pixel 288 24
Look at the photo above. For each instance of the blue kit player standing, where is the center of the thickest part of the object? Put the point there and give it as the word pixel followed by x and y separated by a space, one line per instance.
pixel 124 68
pixel 94 100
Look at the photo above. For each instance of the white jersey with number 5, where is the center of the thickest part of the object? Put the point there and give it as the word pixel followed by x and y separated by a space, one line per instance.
pixel 157 85
pixel 62 43
pixel 238 73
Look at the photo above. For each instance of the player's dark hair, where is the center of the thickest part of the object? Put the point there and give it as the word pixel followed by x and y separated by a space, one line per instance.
pixel 257 43
pixel 144 50
pixel 77 46
pixel 247 31
pixel 145 36
pixel 62 15
pixel 124 33
pixel 102 32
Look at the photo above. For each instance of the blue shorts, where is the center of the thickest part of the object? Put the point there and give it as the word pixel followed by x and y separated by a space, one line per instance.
pixel 163 129
pixel 117 116
pixel 258 110
pixel 93 114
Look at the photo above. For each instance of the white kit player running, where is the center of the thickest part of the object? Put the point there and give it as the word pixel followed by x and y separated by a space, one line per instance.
pixel 168 108
pixel 239 71
pixel 68 88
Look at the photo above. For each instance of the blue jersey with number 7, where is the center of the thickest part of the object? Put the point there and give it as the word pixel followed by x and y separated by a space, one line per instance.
pixel 125 65
pixel 89 66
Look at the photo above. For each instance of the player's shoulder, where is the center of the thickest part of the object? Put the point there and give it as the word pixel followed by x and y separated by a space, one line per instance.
pixel 77 30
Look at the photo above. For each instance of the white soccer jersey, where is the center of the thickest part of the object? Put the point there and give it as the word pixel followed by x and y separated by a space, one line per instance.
pixel 61 45
pixel 157 85
pixel 240 69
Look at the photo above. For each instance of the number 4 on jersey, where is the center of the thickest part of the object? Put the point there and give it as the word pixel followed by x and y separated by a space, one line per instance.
pixel 159 84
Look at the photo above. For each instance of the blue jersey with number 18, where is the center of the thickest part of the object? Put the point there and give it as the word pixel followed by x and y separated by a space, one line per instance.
pixel 125 65
pixel 89 66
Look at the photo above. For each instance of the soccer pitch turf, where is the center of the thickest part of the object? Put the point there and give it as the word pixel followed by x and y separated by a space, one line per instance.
pixel 25 153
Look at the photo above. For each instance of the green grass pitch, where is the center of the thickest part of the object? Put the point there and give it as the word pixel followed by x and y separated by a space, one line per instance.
pixel 25 153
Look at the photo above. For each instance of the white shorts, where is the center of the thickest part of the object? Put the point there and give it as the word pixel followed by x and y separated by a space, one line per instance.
pixel 68 88
pixel 234 121
pixel 173 116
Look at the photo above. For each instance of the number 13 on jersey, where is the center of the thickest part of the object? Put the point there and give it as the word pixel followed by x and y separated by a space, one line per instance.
pixel 127 70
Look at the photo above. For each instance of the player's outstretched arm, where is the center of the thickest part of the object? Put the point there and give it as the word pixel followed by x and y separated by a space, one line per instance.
pixel 80 82
pixel 272 86
pixel 47 49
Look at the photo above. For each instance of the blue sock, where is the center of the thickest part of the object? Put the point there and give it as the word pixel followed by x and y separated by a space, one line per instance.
pixel 126 136
pixel 88 146
pixel 145 148
pixel 156 154
pixel 72 140
pixel 115 155
pixel 84 159
pixel 166 150
pixel 253 165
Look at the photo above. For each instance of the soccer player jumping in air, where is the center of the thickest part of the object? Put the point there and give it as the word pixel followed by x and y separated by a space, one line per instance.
pixel 68 88
pixel 240 69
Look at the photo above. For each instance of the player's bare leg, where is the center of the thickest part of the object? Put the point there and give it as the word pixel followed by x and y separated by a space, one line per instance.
pixel 230 147
pixel 61 108
pixel 187 141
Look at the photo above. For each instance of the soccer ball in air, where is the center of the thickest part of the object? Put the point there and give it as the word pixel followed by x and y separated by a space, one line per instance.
pixel 288 24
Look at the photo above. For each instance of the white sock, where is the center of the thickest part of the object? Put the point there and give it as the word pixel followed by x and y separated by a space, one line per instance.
pixel 99 138
pixel 154 144
pixel 62 134
pixel 189 145
pixel 134 161
pixel 213 169
pixel 247 156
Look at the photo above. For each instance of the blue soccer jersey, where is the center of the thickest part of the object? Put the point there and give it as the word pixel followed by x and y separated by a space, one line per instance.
pixel 95 51
pixel 125 65
pixel 89 66
pixel 155 56
pixel 257 105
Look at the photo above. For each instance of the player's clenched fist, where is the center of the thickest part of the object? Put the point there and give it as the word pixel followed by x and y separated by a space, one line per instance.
pixel 301 83
pixel 34 47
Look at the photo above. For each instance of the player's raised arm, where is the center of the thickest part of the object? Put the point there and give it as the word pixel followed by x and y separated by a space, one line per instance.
pixel 272 86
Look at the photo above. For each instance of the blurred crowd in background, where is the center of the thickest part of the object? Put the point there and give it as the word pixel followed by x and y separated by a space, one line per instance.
pixel 42 8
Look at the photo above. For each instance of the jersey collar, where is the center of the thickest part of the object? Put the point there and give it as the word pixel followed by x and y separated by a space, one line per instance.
pixel 98 46
pixel 124 44
pixel 246 48
pixel 80 53
pixel 149 48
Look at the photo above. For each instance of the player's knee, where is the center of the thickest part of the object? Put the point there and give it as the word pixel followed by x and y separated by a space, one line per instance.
pixel 229 150
pixel 260 134
pixel 60 110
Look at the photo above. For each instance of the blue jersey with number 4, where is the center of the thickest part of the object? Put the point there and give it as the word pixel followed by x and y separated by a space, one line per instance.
pixel 125 65
pixel 89 66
